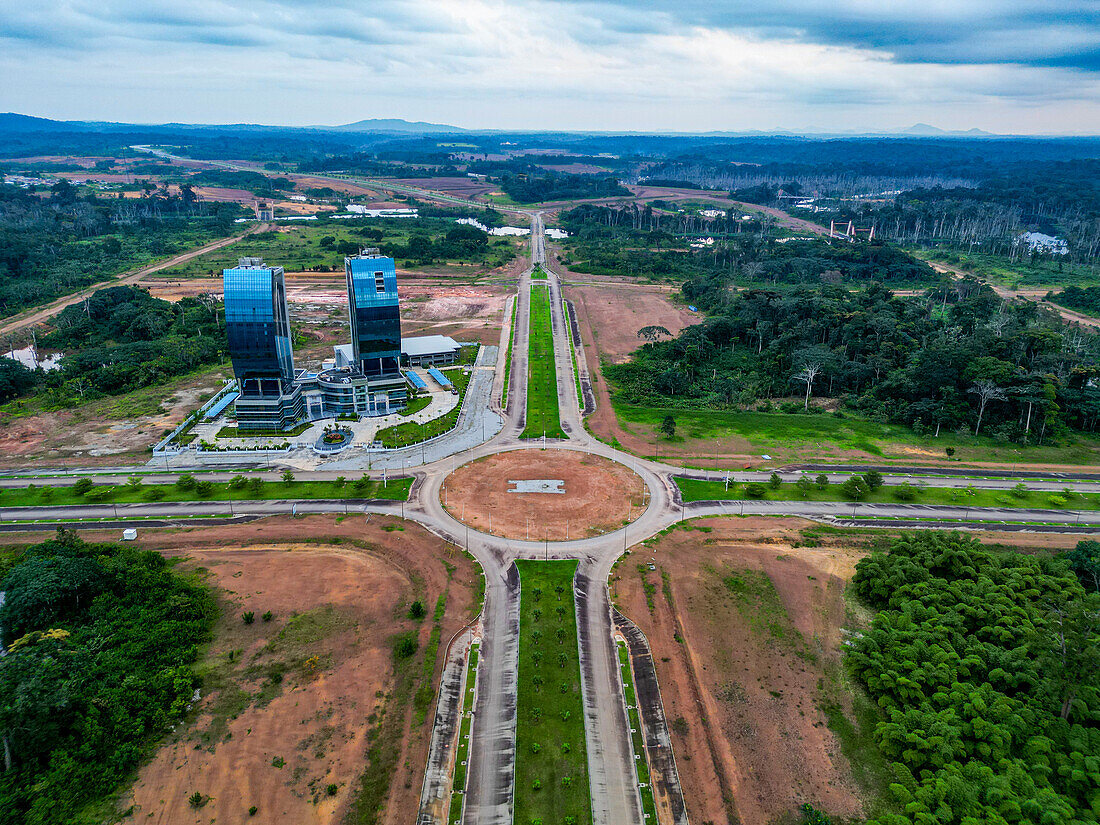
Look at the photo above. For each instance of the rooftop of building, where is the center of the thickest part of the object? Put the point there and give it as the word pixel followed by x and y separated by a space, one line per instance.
pixel 428 344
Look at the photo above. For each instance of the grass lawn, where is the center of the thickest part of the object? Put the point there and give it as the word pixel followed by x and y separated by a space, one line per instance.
pixel 542 382
pixel 255 490
pixel 416 405
pixel 824 437
pixel 641 766
pixel 402 435
pixel 697 490
pixel 538 273
pixel 572 354
pixel 551 758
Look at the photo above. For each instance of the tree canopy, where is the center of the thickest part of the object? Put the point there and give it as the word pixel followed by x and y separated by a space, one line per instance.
pixel 100 642
pixel 987 668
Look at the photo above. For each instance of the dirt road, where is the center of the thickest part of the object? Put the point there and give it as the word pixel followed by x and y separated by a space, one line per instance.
pixel 37 316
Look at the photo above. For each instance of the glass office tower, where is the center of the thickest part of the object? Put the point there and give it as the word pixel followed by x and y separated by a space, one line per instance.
pixel 258 328
pixel 376 326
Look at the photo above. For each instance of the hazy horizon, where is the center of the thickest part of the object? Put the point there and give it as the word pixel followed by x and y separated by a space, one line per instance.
pixel 1019 67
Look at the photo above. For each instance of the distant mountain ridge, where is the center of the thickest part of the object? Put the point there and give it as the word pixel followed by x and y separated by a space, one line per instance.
pixel 394 125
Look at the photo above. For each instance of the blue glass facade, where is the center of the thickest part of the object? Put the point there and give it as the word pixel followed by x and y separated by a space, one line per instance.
pixel 257 326
pixel 375 322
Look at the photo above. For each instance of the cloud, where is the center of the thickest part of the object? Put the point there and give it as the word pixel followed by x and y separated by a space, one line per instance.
pixel 650 64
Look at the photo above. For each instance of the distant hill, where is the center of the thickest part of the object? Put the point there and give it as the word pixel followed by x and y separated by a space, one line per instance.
pixel 14 122
pixel 395 125
pixel 924 130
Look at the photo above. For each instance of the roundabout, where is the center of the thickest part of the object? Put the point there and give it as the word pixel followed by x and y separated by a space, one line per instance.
pixel 544 495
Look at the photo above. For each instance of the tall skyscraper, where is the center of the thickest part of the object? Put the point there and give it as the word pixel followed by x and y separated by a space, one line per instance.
pixel 258 328
pixel 375 323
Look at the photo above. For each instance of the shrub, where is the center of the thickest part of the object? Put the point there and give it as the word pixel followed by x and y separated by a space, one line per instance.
pixel 278 762
pixel 196 800
pixel 82 486
pixel 905 492
pixel 331 789
pixel 153 493
pixel 950 451
pixel 416 610
pixel 238 483
pixel 405 646
pixel 1056 501
pixel 288 476
pixel 805 486
pixel 248 617
pixel 775 482
pixel 1021 490
pixel 755 490
pixel 822 481
pixel 252 810
pixel 873 479
pixel 204 488
pixel 268 616
pixel 186 482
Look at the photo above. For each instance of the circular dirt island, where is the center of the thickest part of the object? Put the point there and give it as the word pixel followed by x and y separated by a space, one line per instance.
pixel 513 495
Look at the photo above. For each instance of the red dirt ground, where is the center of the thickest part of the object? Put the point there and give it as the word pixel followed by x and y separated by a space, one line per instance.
pixel 616 311
pixel 599 495
pixel 754 731
pixel 750 698
pixel 359 578
pixel 459 187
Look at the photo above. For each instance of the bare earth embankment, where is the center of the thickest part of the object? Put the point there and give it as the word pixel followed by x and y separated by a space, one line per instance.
pixel 297 708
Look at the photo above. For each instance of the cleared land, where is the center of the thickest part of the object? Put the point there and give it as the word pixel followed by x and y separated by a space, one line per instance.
pixel 113 430
pixel 551 760
pixel 614 312
pixel 744 630
pixel 542 382
pixel 599 496
pixel 301 714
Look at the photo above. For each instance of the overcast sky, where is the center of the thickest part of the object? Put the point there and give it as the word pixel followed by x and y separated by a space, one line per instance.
pixel 1007 66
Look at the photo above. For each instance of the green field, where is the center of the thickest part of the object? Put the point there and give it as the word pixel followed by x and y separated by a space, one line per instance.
pixel 458 783
pixel 538 273
pixel 551 784
pixel 125 493
pixel 298 247
pixel 402 435
pixel 797 436
pixel 573 354
pixel 542 382
pixel 693 489
pixel 641 765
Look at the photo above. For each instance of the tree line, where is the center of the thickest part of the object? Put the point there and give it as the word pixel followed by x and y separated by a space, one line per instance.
pixel 55 246
pixel 956 357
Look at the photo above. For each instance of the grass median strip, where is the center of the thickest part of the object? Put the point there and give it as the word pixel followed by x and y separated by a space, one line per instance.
pixel 462 756
pixel 551 782
pixel 1019 497
pixel 508 354
pixel 542 380
pixel 637 739
pixel 242 489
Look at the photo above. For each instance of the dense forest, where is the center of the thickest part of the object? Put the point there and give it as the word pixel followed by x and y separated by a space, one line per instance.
pixel 121 338
pixel 646 242
pixel 55 246
pixel 958 357
pixel 553 186
pixel 100 639
pixel 987 668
